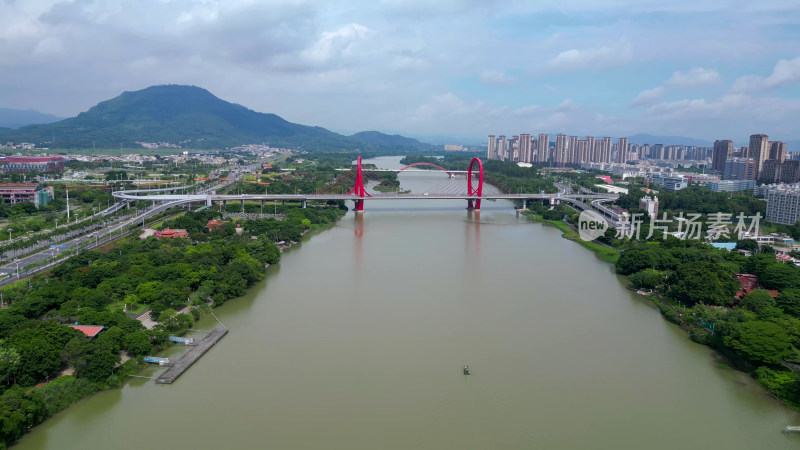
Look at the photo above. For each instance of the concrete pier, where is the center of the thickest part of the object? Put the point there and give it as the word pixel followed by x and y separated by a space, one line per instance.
pixel 180 366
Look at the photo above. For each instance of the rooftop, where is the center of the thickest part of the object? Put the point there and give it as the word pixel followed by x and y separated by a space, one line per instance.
pixel 89 330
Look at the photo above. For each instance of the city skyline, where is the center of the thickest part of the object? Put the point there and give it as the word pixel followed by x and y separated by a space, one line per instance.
pixel 706 70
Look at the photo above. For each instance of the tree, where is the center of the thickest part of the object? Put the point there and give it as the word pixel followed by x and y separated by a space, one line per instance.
pixel 789 301
pixel 648 279
pixel 166 315
pixel 138 343
pixel 761 342
pixel 702 282
pixel 635 259
pixel 747 244
pixel 757 300
pixel 100 365
pixel 780 276
pixel 9 362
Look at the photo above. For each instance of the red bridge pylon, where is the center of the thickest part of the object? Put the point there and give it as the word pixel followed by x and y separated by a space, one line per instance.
pixel 359 191
pixel 478 192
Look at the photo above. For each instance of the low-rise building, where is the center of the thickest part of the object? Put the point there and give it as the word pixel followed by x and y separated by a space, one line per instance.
pixel 731 185
pixel 32 164
pixel 168 233
pixel 650 205
pixel 12 193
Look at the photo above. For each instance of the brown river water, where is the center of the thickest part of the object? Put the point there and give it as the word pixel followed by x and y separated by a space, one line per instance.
pixel 357 340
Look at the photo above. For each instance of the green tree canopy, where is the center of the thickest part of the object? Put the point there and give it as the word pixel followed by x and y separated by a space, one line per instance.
pixel 761 342
pixel 757 300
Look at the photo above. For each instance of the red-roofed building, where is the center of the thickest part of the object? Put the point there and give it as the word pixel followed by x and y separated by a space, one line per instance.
pixel 89 330
pixel 212 224
pixel 605 178
pixel 171 234
pixel 749 283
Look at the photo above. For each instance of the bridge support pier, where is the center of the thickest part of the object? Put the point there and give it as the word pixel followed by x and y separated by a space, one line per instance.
pixel 209 202
pixel 474 204
pixel 303 203
pixel 359 206
pixel 262 204
pixel 242 203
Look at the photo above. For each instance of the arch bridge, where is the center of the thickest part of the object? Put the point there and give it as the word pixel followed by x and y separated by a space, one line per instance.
pixel 359 194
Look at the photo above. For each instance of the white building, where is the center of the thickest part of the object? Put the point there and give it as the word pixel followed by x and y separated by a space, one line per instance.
pixel 650 205
pixel 783 203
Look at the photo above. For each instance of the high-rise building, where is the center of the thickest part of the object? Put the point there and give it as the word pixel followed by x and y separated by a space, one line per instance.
pixel 759 151
pixel 560 151
pixel 739 169
pixel 777 150
pixel 783 204
pixel 607 149
pixel 501 147
pixel 572 149
pixel 525 147
pixel 513 148
pixel 770 171
pixel 776 171
pixel 590 155
pixel 622 150
pixel 491 151
pixel 542 148
pixel 597 152
pixel 722 151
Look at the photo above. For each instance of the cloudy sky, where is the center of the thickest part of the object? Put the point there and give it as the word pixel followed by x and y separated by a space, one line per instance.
pixel 709 69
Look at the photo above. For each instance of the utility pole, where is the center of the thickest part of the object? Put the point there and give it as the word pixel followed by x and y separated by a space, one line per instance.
pixel 67 204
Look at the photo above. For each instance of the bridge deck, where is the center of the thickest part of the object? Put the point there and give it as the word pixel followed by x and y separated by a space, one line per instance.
pixel 180 366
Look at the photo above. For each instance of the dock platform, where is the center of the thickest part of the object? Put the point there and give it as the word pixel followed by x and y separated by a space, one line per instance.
pixel 180 366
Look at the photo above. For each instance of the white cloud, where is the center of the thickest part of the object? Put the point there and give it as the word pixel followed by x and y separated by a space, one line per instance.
pixel 566 105
pixel 648 97
pixel 786 71
pixel 337 43
pixel 497 78
pixel 605 56
pixel 729 105
pixel 696 76
pixel 528 110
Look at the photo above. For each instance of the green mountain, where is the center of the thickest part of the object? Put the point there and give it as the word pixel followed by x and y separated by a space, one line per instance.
pixel 379 139
pixel 185 115
pixel 15 118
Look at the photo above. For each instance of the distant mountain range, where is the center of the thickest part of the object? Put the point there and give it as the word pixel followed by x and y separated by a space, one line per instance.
pixel 15 118
pixel 391 141
pixel 194 118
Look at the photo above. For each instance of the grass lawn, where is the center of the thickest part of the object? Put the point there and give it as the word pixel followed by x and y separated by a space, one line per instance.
pixel 137 310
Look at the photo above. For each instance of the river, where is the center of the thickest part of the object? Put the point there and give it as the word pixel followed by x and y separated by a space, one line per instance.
pixel 357 340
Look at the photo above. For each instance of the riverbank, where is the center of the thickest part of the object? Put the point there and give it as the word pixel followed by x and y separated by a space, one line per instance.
pixel 219 264
pixel 755 337
pixel 603 252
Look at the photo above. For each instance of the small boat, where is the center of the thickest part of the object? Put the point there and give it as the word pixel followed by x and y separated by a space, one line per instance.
pixel 466 370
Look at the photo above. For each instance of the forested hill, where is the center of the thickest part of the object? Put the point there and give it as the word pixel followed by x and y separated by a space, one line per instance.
pixel 390 141
pixel 189 116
